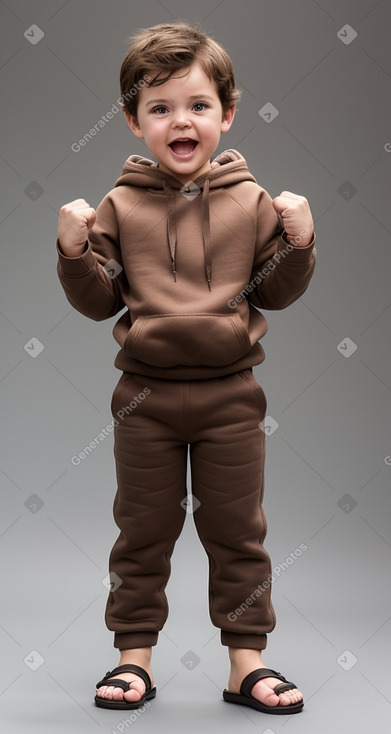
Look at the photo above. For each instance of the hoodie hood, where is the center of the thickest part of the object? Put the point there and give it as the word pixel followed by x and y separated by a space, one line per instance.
pixel 228 168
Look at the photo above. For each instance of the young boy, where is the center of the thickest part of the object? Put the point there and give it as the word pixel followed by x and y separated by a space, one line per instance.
pixel 193 249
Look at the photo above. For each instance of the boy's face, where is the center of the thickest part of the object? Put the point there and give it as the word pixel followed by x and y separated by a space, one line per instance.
pixel 186 109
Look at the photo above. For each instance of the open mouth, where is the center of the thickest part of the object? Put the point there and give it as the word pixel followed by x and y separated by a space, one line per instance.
pixel 183 147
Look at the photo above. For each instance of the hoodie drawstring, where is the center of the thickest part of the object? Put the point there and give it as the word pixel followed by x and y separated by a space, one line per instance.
pixel 172 232
pixel 206 232
pixel 171 224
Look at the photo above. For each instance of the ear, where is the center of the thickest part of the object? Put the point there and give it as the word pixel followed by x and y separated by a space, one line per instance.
pixel 227 119
pixel 133 124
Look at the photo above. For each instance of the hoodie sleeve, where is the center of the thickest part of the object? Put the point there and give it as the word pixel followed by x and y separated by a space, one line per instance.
pixel 89 287
pixel 281 272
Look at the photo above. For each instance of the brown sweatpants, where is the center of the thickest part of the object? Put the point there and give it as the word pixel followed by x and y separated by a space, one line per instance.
pixel 155 421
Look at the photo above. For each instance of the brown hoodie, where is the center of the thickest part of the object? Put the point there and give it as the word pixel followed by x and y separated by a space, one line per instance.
pixel 192 265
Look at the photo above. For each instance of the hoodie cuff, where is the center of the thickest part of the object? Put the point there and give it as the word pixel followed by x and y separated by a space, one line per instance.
pixel 297 254
pixel 76 265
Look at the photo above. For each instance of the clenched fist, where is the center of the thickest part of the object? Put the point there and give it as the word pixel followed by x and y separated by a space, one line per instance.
pixel 295 216
pixel 75 221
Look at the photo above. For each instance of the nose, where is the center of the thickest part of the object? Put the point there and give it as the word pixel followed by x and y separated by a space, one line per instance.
pixel 181 119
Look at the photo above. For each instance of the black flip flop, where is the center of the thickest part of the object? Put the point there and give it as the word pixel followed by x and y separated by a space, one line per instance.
pixel 246 699
pixel 106 703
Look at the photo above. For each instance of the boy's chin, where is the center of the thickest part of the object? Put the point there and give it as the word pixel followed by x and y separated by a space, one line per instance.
pixel 184 171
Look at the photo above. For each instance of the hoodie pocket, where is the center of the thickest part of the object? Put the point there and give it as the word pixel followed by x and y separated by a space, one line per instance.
pixel 196 339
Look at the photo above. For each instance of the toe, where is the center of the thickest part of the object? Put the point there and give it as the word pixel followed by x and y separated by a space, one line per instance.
pixel 136 691
pixel 288 697
pixel 285 700
pixel 115 693
pixel 263 691
pixel 101 692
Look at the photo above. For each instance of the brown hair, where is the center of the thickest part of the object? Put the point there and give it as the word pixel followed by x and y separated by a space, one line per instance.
pixel 168 47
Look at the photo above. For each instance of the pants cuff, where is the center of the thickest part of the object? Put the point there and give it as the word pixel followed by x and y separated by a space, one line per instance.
pixel 130 640
pixel 233 639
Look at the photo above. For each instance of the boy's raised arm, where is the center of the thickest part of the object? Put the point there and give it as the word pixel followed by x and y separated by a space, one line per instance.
pixel 282 268
pixel 89 258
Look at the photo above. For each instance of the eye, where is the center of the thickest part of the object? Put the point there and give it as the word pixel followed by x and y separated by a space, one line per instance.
pixel 200 104
pixel 156 109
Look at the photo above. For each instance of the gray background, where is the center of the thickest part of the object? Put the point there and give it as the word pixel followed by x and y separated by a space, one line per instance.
pixel 327 471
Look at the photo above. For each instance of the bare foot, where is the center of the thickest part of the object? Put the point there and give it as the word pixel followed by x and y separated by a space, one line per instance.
pixel 138 656
pixel 243 662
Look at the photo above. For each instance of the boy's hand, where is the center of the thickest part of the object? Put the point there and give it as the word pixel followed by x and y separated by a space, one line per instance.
pixel 295 216
pixel 75 221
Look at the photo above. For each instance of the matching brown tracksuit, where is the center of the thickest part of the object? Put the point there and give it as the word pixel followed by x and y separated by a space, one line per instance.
pixel 193 266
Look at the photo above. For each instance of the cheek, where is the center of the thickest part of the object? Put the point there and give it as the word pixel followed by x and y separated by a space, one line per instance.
pixel 213 134
pixel 156 130
pixel 151 134
pixel 212 127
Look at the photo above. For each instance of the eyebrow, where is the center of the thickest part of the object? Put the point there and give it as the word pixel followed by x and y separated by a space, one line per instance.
pixel 193 96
